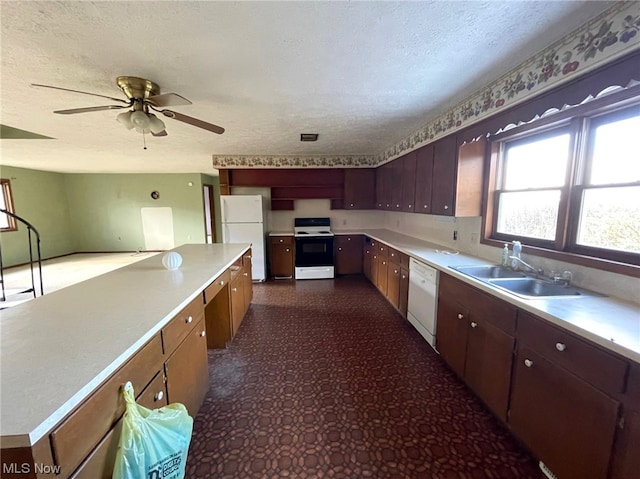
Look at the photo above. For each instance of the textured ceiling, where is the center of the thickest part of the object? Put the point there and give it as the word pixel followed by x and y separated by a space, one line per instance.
pixel 363 75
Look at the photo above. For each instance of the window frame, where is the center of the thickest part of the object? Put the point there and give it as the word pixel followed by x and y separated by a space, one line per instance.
pixel 579 120
pixel 5 185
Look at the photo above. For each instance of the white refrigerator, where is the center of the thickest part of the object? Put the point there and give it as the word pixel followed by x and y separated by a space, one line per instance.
pixel 243 222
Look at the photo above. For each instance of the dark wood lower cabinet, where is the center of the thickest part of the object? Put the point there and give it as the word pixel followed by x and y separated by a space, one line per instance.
pixel 348 254
pixel 367 260
pixel 403 295
pixel 393 284
pixel 187 370
pixel 381 278
pixel 281 260
pixel 567 423
pixel 451 333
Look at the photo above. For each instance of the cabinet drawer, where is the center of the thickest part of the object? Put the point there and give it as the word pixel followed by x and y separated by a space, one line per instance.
pixel 383 250
pixel 178 328
pixel 587 361
pixel 83 429
pixel 99 464
pixel 281 240
pixel 397 257
pixel 214 288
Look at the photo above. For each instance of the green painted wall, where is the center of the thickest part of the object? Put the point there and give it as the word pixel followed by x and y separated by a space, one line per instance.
pixel 105 208
pixel 40 198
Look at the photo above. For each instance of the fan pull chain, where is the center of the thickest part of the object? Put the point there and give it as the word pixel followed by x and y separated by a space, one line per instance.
pixel 144 141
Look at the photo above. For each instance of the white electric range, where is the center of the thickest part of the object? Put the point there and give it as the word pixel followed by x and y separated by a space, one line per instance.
pixel 314 248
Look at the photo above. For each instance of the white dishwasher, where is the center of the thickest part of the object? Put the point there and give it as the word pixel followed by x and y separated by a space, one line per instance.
pixel 423 299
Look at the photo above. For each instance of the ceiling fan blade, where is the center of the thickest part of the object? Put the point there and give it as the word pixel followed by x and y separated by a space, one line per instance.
pixel 78 91
pixel 168 99
pixel 162 133
pixel 193 121
pixel 90 108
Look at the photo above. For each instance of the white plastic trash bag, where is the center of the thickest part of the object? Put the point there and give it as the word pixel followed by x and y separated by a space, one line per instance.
pixel 154 442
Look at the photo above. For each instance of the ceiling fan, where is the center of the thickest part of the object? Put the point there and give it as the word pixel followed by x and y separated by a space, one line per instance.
pixel 143 96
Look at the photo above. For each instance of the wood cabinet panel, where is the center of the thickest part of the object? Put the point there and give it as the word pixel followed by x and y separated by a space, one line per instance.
pixel 367 259
pixel 396 168
pixel 236 297
pixel 274 240
pixel 82 430
pixel 183 322
pixel 444 176
pixel 359 188
pixel 281 259
pixel 393 284
pixel 187 370
pixel 247 280
pixel 216 286
pixel 218 319
pixel 381 281
pixel 403 293
pixel 583 359
pixel 409 166
pixel 488 363
pixel 99 464
pixel 626 459
pixel 424 179
pixel 451 332
pixel 566 422
pixel 348 254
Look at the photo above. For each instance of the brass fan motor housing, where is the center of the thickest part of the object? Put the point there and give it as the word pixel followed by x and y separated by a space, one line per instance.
pixel 137 88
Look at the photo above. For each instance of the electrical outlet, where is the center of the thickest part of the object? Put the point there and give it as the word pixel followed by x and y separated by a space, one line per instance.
pixel 455 235
pixel 397 223
pixel 474 238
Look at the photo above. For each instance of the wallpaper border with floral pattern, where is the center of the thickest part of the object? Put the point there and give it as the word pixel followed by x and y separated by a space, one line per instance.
pixel 604 38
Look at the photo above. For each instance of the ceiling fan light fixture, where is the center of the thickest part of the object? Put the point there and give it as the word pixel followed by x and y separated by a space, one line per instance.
pixel 155 124
pixel 139 120
pixel 125 119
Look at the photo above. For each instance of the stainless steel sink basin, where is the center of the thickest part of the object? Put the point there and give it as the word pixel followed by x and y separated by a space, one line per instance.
pixel 489 271
pixel 538 288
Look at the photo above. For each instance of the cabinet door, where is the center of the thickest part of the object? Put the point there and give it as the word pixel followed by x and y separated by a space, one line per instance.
pixel 367 258
pixel 393 284
pixel 387 183
pixel 359 188
pixel 374 267
pixel 282 260
pixel 409 165
pixel 382 274
pixel 396 182
pixel 444 176
pixel 626 460
pixel 348 254
pixel 187 371
pixel 488 364
pixel 424 179
pixel 380 190
pixel 451 333
pixel 567 423
pixel 236 297
pixel 403 293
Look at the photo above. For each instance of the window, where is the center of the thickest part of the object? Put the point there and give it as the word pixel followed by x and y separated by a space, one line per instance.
pixel 572 185
pixel 7 223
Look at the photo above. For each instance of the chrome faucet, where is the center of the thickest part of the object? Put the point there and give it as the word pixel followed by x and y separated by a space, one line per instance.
pixel 516 260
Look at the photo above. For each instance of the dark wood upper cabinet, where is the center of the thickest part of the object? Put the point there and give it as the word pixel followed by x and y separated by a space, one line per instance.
pixel 409 165
pixel 385 179
pixel 424 179
pixel 359 188
pixel 444 176
pixel 396 184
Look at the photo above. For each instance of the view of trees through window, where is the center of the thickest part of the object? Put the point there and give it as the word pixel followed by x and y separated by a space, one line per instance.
pixel 574 187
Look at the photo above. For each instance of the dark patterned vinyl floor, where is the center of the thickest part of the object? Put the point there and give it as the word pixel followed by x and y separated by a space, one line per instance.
pixel 326 380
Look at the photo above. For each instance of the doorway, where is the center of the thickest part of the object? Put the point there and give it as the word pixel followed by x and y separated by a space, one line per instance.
pixel 209 214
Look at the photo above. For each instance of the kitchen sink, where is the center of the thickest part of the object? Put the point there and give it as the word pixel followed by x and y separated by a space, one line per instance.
pixel 538 288
pixel 489 271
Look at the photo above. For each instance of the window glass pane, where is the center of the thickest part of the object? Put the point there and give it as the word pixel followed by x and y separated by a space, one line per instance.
pixel 533 214
pixel 4 219
pixel 610 219
pixel 616 156
pixel 537 164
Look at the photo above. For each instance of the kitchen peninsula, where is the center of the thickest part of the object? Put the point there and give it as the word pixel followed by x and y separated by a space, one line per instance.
pixel 64 354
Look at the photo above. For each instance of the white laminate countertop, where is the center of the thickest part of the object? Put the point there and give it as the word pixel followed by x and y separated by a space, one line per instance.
pixel 280 233
pixel 56 349
pixel 609 322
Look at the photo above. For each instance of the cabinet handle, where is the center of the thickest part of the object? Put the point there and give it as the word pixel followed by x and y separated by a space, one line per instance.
pixel 404 276
pixel 222 283
pixel 281 241
pixel 350 204
pixel 348 238
pixel 425 206
pixel 188 320
pixel 248 257
pixel 246 274
pixel 340 248
pixel 561 346
pixel 409 206
pixel 384 262
pixel 397 206
pixel 446 207
pixel 158 396
pixel 474 324
pixel 203 334
pixel 528 363
pixel 381 248
pixel 288 250
pixel 234 289
pixel 460 316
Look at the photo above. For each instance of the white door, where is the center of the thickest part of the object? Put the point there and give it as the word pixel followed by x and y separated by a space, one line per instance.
pixel 248 233
pixel 241 208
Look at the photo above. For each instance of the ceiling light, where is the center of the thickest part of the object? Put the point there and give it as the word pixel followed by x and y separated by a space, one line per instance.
pixel 308 137
pixel 141 121
pixel 155 125
pixel 125 119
